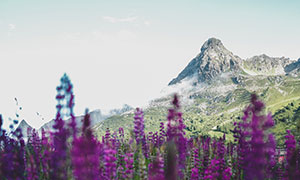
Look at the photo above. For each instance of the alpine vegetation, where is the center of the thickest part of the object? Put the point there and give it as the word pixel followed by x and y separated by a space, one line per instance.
pixel 70 151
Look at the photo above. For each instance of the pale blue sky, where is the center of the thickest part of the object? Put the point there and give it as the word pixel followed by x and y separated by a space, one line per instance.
pixel 125 51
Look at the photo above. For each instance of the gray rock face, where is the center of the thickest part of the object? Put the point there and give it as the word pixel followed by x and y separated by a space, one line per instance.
pixel 95 117
pixel 293 68
pixel 24 127
pixel 124 109
pixel 265 65
pixel 213 60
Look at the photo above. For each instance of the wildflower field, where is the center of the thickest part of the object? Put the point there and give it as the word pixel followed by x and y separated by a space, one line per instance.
pixel 70 152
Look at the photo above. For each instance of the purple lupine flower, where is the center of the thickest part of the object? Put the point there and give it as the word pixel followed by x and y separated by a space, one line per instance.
pixel 150 137
pixel 182 149
pixel 31 168
pixel 101 160
pixel 21 156
pixel 121 165
pixel 290 144
pixel 115 142
pixel 85 158
pixel 110 163
pixel 156 168
pixel 254 150
pixel 12 164
pixel 190 142
pixel 70 105
pixel 34 156
pixel 291 153
pixel 145 148
pixel 256 157
pixel 129 165
pixel 205 157
pixel 212 172
pixel 85 153
pixel 242 146
pixel 162 134
pixel 175 132
pixel 155 137
pixel 59 154
pixel 139 127
pixel 226 175
pixel 12 153
pixel 220 155
pixel 65 98
pixel 107 137
pixel 46 155
pixel 195 169
pixel 126 169
pixel 214 147
pixel 121 134
pixel 58 162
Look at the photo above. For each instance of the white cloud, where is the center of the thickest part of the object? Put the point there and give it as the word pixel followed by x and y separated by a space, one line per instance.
pixel 125 35
pixel 122 35
pixel 102 36
pixel 131 19
pixel 72 35
pixel 12 26
pixel 116 20
pixel 98 35
pixel 147 23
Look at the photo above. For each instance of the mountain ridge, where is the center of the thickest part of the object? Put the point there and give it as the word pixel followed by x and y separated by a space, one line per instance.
pixel 215 87
pixel 96 116
pixel 214 59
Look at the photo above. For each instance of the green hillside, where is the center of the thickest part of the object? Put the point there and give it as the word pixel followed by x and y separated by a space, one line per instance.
pixel 213 114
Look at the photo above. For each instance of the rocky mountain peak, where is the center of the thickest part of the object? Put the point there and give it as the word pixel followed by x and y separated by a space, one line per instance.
pixel 213 60
pixel 212 43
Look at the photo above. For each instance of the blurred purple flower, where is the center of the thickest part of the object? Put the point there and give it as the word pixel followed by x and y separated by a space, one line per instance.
pixel 85 154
